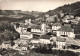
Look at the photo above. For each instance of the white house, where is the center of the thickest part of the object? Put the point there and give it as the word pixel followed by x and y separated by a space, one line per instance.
pixel 60 42
pixel 66 31
pixel 26 35
pixel 6 44
pixel 34 41
pixel 39 28
pixel 56 26
pixel 45 39
pixel 77 18
pixel 68 18
pixel 36 29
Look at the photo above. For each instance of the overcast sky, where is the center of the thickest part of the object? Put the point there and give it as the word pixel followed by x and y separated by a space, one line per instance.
pixel 33 5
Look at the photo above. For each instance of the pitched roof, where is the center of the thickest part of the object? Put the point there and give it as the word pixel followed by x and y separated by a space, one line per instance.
pixel 60 39
pixel 57 24
pixel 36 27
pixel 45 37
pixel 26 33
pixel 65 29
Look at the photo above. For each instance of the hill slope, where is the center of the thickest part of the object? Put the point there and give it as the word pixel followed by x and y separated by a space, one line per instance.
pixel 73 8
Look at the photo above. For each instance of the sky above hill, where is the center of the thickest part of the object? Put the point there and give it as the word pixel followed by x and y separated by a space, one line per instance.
pixel 33 5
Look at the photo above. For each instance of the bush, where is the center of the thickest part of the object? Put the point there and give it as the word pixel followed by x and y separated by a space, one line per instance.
pixel 77 37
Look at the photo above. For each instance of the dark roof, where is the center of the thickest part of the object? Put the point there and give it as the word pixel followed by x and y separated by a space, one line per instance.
pixel 60 39
pixel 45 37
pixel 65 29
pixel 57 24
pixel 26 33
pixel 36 27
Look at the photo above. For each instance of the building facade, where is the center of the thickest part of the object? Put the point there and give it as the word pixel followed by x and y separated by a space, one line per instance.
pixel 66 31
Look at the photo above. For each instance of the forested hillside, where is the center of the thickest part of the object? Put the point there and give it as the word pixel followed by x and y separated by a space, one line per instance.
pixel 73 8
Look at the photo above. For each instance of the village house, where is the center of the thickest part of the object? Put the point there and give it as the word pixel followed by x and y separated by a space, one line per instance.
pixel 68 18
pixel 36 29
pixel 56 26
pixel 45 39
pixel 77 18
pixel 20 44
pixel 66 31
pixel 51 19
pixel 6 44
pixel 60 42
pixel 74 21
pixel 34 43
pixel 26 35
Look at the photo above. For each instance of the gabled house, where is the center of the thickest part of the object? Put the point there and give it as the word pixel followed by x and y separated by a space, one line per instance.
pixel 60 42
pixel 39 28
pixel 68 18
pixel 26 35
pixel 56 26
pixel 36 29
pixel 45 39
pixel 6 44
pixel 66 31
pixel 77 18
pixel 20 44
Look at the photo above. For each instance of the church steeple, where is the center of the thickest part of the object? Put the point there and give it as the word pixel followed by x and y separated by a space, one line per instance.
pixel 43 27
